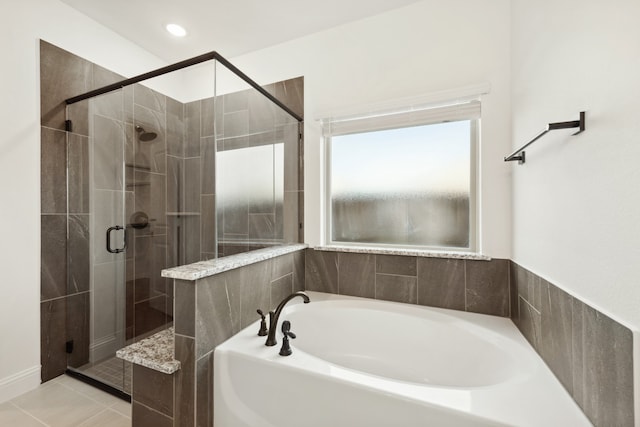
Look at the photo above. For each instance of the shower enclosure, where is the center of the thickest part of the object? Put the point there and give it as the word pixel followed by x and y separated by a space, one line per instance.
pixel 190 162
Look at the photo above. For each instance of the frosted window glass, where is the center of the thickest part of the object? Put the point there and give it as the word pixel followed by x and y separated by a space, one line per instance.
pixel 409 186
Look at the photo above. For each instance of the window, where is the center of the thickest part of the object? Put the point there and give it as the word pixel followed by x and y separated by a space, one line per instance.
pixel 404 178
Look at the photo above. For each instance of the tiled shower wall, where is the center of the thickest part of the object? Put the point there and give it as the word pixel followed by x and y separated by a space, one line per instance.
pixel 64 309
pixel 66 306
pixel 164 178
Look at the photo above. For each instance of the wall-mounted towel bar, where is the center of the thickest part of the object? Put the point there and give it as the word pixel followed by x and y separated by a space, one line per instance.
pixel 519 154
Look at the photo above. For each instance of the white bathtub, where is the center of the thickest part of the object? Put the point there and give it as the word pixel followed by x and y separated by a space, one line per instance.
pixel 363 363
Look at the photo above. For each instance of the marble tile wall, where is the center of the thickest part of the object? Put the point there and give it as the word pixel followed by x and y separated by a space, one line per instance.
pixel 64 305
pixel 476 286
pixel 210 310
pixel 66 270
pixel 590 353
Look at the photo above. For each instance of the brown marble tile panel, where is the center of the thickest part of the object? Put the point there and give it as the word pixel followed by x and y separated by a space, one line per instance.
pixel 150 155
pixel 53 171
pixel 254 291
pixel 175 183
pixel 192 129
pixel 53 357
pixel 487 287
pixel 236 123
pixel 529 323
pixel 149 315
pixel 150 260
pixel 298 271
pixel 606 380
pixel 185 382
pixel 528 285
pixel 147 97
pixel 235 101
pixel 150 198
pixel 356 274
pixel 153 389
pixel 53 256
pixel 103 77
pixel 208 217
pixel 556 332
pixel 110 104
pixel 78 152
pixel 321 271
pixel 192 181
pixel 396 264
pixel 208 150
pixel 289 221
pixel 291 157
pixel 191 234
pixel 175 128
pixel 143 416
pixel 208 117
pixel 513 291
pixel 62 75
pixel 79 263
pixel 281 288
pixel 397 288
pixel 108 153
pixel 441 283
pixel 261 112
pixel 204 391
pixel 185 307
pixel 281 266
pixel 78 328
pixel 216 312
pixel 291 93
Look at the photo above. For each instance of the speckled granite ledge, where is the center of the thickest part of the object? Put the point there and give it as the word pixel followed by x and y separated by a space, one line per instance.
pixel 155 352
pixel 409 252
pixel 203 269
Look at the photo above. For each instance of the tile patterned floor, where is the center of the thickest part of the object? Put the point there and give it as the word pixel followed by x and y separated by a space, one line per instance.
pixel 113 371
pixel 65 402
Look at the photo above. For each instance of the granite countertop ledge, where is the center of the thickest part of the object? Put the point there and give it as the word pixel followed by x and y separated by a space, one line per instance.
pixel 202 269
pixel 155 352
pixel 409 252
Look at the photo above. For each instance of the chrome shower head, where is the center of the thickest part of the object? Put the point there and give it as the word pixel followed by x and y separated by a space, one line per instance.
pixel 145 136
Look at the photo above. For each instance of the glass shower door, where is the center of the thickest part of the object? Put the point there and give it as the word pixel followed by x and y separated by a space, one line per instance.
pixel 98 203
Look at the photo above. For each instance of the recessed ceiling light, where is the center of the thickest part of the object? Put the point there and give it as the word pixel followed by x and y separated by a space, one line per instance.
pixel 176 30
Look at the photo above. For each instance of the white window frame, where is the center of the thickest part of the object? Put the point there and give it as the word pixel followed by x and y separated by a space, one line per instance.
pixel 467 109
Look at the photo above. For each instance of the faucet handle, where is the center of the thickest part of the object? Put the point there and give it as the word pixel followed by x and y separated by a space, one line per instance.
pixel 263 324
pixel 286 329
pixel 285 350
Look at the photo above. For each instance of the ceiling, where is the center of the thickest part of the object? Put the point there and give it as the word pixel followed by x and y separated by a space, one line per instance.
pixel 231 27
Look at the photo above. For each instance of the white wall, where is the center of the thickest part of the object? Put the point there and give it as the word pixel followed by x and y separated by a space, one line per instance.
pixel 576 202
pixel 426 47
pixel 23 23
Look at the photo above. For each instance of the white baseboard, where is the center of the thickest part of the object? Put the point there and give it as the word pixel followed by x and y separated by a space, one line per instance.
pixel 103 348
pixel 19 383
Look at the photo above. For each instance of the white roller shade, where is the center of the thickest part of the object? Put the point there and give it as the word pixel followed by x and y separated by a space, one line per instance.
pixel 412 116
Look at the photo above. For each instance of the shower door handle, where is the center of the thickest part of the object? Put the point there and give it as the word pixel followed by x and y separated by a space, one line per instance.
pixel 124 246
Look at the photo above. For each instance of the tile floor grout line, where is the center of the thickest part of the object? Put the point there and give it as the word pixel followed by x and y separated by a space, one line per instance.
pixel 24 411
pixel 91 417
